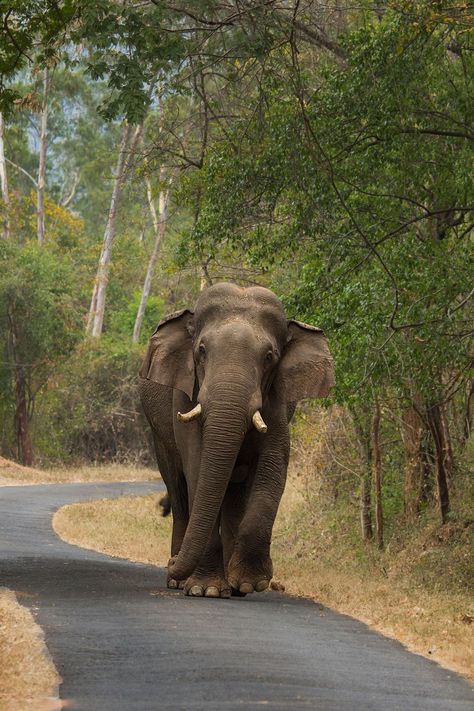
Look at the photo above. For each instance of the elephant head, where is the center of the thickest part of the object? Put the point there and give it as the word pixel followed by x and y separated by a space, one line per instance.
pixel 235 356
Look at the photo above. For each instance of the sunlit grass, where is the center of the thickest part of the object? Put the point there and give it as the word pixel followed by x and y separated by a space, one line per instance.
pixel 27 675
pixel 130 527
pixel 12 473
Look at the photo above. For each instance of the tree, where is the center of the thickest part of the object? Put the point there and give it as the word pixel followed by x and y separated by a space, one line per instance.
pixel 353 185
pixel 95 318
pixel 159 228
pixel 43 145
pixel 39 325
pixel 4 180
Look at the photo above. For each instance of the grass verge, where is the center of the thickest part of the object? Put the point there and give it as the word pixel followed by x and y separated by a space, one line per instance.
pixel 13 474
pixel 129 527
pixel 28 677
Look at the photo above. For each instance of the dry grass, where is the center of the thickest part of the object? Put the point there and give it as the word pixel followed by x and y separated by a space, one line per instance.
pixel 380 590
pixel 13 474
pixel 28 678
pixel 130 527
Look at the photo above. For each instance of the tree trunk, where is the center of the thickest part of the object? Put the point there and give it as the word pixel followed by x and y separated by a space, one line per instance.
pixel 433 413
pixel 365 500
pixel 159 229
pixel 365 507
pixel 95 318
pixel 21 418
pixel 413 434
pixel 467 417
pixel 377 474
pixel 4 181
pixel 448 446
pixel 22 423
pixel 42 159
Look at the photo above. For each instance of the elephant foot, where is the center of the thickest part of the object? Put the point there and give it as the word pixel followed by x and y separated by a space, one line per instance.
pixel 171 583
pixel 199 585
pixel 249 575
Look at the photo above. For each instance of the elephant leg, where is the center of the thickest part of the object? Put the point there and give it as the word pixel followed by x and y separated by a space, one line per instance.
pixel 233 509
pixel 179 508
pixel 250 566
pixel 208 579
pixel 171 471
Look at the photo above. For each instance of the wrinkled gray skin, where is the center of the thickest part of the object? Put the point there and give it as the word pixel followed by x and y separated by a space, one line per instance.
pixel 235 354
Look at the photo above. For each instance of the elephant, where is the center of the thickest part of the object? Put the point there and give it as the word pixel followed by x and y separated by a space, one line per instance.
pixel 219 386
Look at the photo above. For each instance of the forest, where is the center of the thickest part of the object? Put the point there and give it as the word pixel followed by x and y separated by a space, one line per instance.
pixel 324 150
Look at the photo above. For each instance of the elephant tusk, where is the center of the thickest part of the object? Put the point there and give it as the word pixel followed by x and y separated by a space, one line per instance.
pixel 258 422
pixel 191 415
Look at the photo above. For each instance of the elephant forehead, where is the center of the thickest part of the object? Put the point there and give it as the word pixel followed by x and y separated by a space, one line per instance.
pixel 255 305
pixel 243 323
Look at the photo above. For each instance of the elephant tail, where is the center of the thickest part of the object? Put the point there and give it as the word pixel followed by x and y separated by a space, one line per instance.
pixel 165 505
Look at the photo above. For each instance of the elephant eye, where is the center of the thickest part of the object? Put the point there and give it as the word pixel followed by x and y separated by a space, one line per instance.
pixel 202 350
pixel 269 357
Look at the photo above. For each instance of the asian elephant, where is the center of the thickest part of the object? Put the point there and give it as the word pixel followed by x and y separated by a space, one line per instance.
pixel 219 386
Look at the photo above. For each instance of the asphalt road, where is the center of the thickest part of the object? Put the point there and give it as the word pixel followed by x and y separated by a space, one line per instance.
pixel 122 642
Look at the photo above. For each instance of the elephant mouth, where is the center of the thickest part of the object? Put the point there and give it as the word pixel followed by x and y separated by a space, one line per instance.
pixel 257 419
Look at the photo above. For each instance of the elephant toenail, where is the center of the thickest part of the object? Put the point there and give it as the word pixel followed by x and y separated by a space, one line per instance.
pixel 172 584
pixel 261 585
pixel 246 588
pixel 212 591
pixel 196 591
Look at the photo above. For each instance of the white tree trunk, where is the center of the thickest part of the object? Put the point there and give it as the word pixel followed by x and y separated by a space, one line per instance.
pixel 159 229
pixel 4 181
pixel 95 320
pixel 42 159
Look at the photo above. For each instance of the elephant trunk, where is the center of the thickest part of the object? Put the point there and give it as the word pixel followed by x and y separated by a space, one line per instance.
pixel 225 424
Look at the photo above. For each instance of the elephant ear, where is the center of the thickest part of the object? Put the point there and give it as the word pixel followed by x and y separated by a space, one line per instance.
pixel 169 358
pixel 306 368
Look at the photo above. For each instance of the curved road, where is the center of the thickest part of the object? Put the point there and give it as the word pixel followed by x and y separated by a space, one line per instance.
pixel 122 642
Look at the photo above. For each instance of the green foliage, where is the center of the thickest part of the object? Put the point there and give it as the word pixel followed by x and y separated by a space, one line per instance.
pixel 40 322
pixel 29 27
pixel 122 322
pixel 363 192
pixel 92 412
pixel 38 306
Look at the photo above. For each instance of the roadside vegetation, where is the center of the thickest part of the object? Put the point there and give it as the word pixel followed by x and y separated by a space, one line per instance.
pixel 28 678
pixel 13 474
